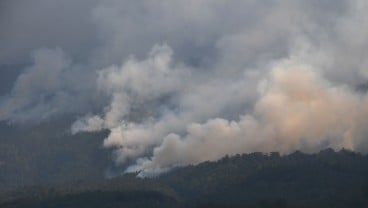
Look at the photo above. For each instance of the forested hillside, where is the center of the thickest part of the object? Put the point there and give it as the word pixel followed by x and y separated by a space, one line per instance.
pixel 47 153
pixel 326 179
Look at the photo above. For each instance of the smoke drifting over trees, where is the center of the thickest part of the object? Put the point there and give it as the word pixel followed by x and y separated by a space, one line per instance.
pixel 182 82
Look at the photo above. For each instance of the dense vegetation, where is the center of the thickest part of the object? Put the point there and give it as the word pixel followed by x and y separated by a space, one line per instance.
pixel 326 179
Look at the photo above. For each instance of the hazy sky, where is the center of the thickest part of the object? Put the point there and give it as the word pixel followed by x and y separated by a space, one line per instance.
pixel 181 82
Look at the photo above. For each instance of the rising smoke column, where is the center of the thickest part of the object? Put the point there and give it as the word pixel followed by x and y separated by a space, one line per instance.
pixel 284 104
pixel 249 76
pixel 296 109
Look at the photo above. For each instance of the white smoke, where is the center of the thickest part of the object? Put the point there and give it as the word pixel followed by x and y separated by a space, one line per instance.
pixel 207 79
pixel 282 104
pixel 133 84
pixel 297 109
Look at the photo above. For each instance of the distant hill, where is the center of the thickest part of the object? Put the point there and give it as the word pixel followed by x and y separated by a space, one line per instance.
pixel 45 153
pixel 326 179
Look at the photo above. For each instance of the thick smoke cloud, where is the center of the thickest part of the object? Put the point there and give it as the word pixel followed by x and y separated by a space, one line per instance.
pixel 297 109
pixel 133 85
pixel 182 82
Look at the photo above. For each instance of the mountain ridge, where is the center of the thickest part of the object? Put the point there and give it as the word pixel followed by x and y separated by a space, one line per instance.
pixel 324 179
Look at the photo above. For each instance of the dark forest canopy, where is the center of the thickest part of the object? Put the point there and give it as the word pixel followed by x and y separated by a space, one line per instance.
pixel 324 179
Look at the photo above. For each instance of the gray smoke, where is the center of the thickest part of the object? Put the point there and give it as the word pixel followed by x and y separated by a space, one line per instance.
pixel 182 82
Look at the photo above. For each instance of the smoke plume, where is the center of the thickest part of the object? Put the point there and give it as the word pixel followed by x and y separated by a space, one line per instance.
pixel 182 82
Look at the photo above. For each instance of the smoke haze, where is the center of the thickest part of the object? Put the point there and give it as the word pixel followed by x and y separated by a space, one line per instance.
pixel 182 82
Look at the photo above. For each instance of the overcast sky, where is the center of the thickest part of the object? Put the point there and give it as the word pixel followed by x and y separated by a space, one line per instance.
pixel 180 82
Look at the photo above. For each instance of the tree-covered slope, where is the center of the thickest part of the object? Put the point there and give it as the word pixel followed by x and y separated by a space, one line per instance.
pixel 46 153
pixel 326 179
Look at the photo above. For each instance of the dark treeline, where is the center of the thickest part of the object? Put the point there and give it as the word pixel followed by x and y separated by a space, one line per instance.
pixel 326 179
